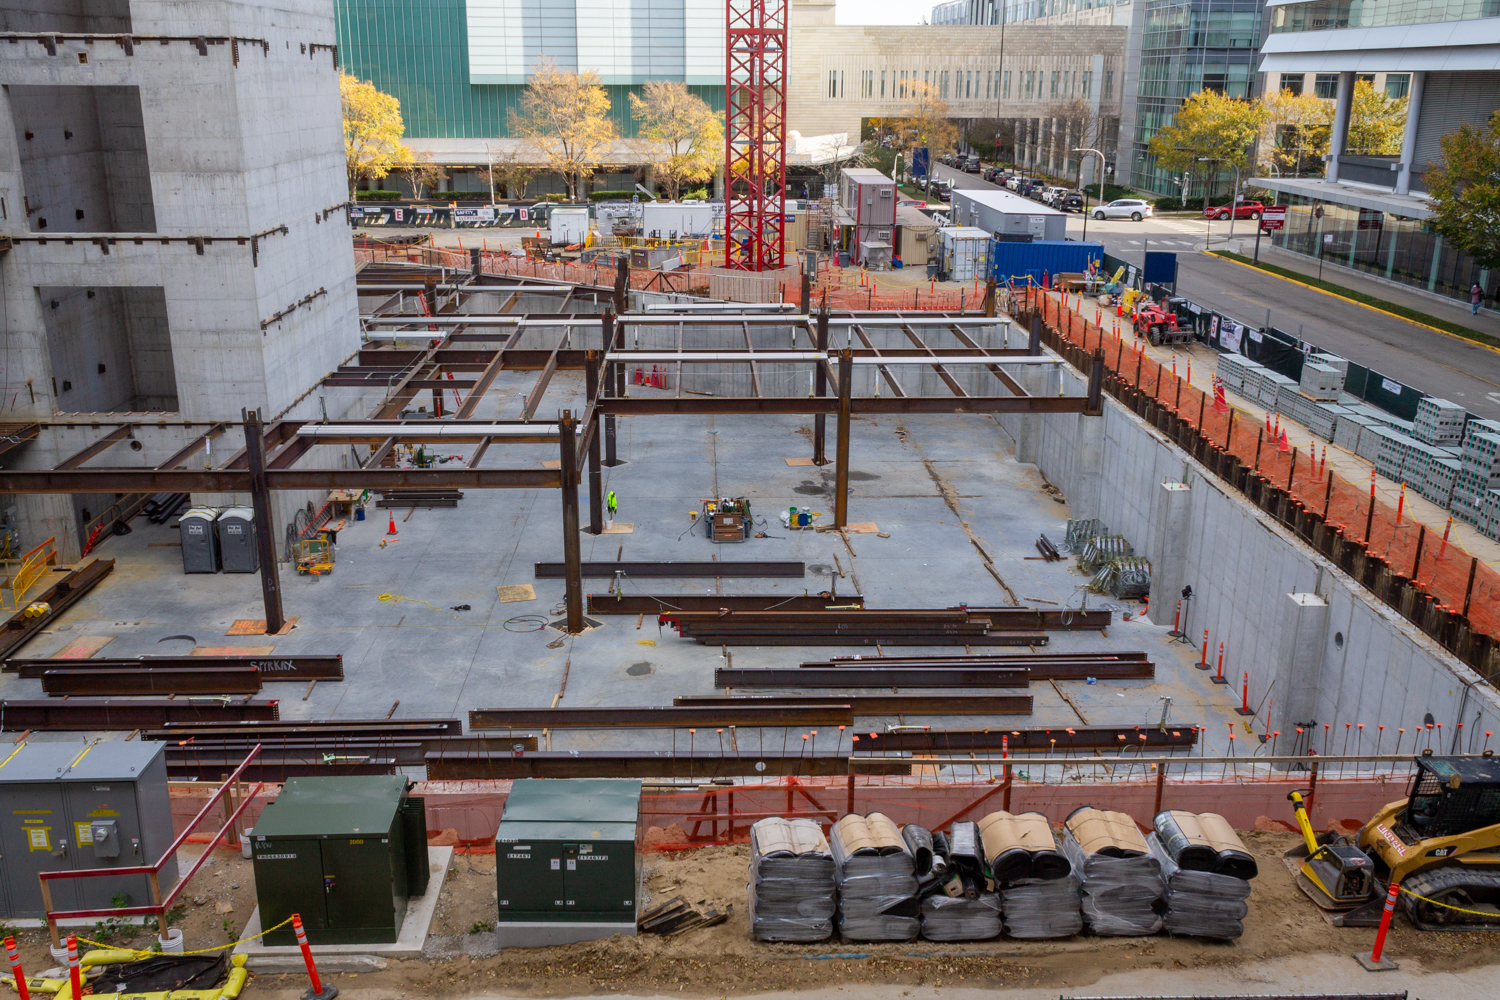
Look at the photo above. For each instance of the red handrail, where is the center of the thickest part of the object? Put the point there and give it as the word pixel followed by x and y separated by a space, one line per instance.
pixel 157 909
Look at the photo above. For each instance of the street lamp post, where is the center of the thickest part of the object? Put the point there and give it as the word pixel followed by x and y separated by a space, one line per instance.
pixel 1234 195
pixel 1101 189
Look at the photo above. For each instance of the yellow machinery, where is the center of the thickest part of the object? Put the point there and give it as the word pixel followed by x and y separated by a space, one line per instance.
pixel 62 989
pixel 315 555
pixel 1441 843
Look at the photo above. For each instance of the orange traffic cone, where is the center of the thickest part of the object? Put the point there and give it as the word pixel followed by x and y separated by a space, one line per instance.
pixel 392 529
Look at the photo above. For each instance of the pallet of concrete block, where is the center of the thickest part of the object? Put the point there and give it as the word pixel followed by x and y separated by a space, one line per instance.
pixel 1122 886
pixel 1235 370
pixel 792 893
pixel 1439 421
pixel 1350 428
pixel 1320 381
pixel 1272 386
pixel 1207 871
pixel 876 877
pixel 1038 890
pixel 1442 474
pixel 958 900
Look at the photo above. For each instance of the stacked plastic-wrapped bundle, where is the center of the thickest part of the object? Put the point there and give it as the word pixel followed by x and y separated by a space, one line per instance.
pixel 961 905
pixel 877 881
pixel 1122 886
pixel 792 894
pixel 1038 891
pixel 1206 868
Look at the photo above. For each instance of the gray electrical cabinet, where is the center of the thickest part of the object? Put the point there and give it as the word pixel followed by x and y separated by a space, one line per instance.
pixel 238 552
pixel 200 540
pixel 567 860
pixel 72 806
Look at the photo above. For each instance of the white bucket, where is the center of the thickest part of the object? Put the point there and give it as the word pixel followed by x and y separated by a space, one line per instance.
pixel 172 943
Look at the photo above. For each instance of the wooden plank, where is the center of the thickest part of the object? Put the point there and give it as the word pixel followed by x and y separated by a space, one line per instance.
pixel 257 626
pixel 83 647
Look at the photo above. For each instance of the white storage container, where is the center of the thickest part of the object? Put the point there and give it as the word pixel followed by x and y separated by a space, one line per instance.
pixel 966 253
pixel 569 226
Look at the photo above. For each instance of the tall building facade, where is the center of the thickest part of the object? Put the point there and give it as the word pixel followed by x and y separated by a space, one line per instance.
pixel 1177 48
pixel 1369 211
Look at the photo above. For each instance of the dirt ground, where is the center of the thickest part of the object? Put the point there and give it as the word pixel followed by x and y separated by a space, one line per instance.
pixel 723 961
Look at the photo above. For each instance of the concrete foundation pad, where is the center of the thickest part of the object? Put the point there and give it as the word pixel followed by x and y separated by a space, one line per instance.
pixel 261 957
pixel 544 934
pixel 1384 965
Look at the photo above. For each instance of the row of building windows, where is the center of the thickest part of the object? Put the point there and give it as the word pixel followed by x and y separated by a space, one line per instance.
pixel 967 85
pixel 1326 85
pixel 1326 15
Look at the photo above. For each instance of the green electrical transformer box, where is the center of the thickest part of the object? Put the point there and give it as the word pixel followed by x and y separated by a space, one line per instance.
pixel 568 860
pixel 345 853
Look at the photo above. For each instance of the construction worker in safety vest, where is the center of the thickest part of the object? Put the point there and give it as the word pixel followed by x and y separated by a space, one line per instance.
pixel 611 506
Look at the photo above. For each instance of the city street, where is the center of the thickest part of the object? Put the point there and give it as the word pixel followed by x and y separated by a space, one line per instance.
pixel 1433 362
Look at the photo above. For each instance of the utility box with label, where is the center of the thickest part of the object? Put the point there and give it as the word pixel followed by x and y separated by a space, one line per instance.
pixel 567 861
pixel 346 853
pixel 73 806
pixel 238 552
pixel 200 540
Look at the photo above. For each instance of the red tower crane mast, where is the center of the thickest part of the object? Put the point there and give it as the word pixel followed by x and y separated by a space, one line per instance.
pixel 755 134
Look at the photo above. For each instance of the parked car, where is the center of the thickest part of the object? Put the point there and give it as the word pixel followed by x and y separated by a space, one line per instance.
pixel 947 160
pixel 995 175
pixel 919 181
pixel 1134 209
pixel 910 203
pixel 1071 202
pixel 971 164
pixel 1053 196
pixel 1244 210
pixel 944 190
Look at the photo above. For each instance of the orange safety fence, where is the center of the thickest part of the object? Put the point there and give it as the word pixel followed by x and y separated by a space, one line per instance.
pixel 1445 568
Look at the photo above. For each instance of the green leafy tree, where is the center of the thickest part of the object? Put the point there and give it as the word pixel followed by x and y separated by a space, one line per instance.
pixel 1296 132
pixel 1376 122
pixel 1464 185
pixel 1211 132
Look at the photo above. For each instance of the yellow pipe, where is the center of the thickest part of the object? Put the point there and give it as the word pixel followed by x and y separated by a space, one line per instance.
pixel 1302 821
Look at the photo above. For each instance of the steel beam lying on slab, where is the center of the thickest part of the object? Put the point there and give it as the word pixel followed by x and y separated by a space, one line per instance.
pixel 81 714
pixel 639 604
pixel 879 704
pixel 999 659
pixel 1066 618
pixel 238 481
pixel 683 570
pixel 833 714
pixel 1059 669
pixel 254 730
pixel 60 596
pixel 271 668
pixel 150 680
pixel 872 677
pixel 190 764
pixel 997 738
pixel 659 764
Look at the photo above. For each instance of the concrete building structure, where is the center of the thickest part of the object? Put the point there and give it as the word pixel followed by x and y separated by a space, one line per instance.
pixel 173 194
pixel 1445 60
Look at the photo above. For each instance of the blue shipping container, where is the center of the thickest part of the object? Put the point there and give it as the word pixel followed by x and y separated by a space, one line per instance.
pixel 1018 260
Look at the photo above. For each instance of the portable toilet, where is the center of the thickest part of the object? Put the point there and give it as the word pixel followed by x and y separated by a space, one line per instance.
pixel 238 551
pixel 200 540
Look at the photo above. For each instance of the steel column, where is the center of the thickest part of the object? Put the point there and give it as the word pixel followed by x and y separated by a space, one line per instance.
pixel 572 548
pixel 260 499
pixel 841 466
pixel 820 388
pixel 613 386
pixel 596 475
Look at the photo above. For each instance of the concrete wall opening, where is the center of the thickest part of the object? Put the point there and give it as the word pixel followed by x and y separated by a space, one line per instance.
pixel 111 349
pixel 71 16
pixel 83 159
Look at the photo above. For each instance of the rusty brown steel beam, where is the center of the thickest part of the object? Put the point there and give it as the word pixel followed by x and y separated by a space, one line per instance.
pixel 872 677
pixel 296 667
pixel 193 447
pixel 876 704
pixel 103 444
pixel 804 405
pixel 534 398
pixel 17 630
pixel 997 738
pixel 85 714
pixel 150 680
pixel 639 604
pixel 666 717
pixel 237 481
pixel 661 764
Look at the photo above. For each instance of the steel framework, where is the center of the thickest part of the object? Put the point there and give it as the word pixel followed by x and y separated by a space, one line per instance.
pixel 755 143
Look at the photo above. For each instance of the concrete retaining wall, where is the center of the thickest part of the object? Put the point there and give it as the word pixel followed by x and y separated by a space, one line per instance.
pixel 1355 661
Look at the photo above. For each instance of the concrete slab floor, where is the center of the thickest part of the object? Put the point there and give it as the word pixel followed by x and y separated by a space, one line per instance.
pixel 390 610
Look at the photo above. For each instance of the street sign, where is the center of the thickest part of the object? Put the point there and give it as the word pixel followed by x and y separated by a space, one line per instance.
pixel 1274 217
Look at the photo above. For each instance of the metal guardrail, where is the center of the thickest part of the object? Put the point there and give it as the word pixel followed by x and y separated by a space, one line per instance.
pixel 31 568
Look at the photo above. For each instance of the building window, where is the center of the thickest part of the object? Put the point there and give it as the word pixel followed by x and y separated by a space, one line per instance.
pixel 969 84
pixel 1397 85
pixel 943 88
pixel 1030 75
pixel 833 83
pixel 1293 82
pixel 1326 86
pixel 1109 83
pixel 1005 85
pixel 1055 76
pixel 1087 77
pixel 841 83
pixel 882 84
pixel 1366 77
pixel 1067 89
pixel 902 93
pixel 987 75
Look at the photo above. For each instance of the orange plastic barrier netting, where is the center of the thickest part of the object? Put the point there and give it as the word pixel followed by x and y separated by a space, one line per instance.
pixel 1445 567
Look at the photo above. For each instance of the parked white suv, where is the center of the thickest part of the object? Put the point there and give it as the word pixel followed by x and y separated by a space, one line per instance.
pixel 1133 209
pixel 1052 195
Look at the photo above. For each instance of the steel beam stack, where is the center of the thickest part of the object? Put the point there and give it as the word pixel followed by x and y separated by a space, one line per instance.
pixel 839 627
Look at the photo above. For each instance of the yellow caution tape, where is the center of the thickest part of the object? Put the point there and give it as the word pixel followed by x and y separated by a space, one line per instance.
pixel 1446 906
pixel 398 598
pixel 147 953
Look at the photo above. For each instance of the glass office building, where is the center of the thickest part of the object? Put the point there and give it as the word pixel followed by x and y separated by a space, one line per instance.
pixel 1186 46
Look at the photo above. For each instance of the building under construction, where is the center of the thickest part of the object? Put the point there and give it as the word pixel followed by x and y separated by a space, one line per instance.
pixel 404 550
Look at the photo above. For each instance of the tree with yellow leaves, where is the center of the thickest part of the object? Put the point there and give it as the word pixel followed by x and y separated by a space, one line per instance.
pixel 567 116
pixel 681 136
pixel 372 131
pixel 1210 133
pixel 1295 133
pixel 925 122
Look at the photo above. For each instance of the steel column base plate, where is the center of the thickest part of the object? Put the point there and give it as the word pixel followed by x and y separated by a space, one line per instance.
pixel 1384 965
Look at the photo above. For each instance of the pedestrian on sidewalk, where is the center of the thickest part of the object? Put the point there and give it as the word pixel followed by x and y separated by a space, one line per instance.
pixel 1476 296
